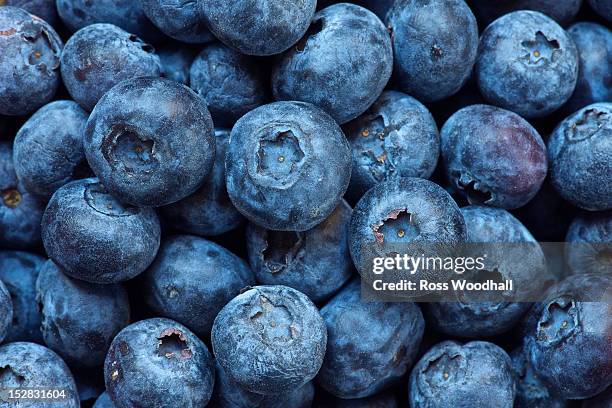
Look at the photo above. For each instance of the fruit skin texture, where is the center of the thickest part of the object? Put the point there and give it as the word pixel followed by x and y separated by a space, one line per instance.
pixel 29 365
pixel 493 156
pixel 396 137
pixel 152 362
pixel 341 65
pixel 316 262
pixel 192 279
pixel 562 12
pixel 48 149
pixel 95 238
pixel 150 141
pixel 29 62
pixel 44 9
pixel 603 8
pixel 527 64
pixel 179 19
pixel 370 345
pixel 104 401
pixel 586 229
pixel 476 374
pixel 176 61
pixel 579 152
pixel 270 339
pixel 6 311
pixel 288 165
pixel 99 56
pixel 259 27
pixel 434 45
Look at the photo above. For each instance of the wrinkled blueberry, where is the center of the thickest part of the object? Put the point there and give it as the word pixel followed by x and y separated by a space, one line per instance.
pixel 6 311
pixel 44 9
pixel 589 243
pixel 562 11
pixel 182 20
pixel 176 61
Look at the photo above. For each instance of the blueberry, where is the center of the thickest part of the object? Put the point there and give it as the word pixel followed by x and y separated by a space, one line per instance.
pixel 588 245
pixel 104 401
pixel 176 61
pixel 6 311
pixel 208 211
pixel 89 384
pixel 435 45
pixel 232 84
pixel 396 137
pixel 579 152
pixel 94 237
pixel 29 62
pixel 400 211
pixel 493 156
pixel 48 149
pixel 562 11
pixel 476 374
pixel 526 63
pixel 259 27
pixel 18 271
pixel 158 363
pixel 383 400
pixel 288 165
pixel 569 343
pixel 192 279
pixel 182 20
pixel 316 262
pixel 341 65
pixel 602 7
pixel 44 9
pixel 602 400
pixel 79 319
pixel 270 339
pixel 594 44
pixel 99 56
pixel 228 394
pixel 150 141
pixel 29 365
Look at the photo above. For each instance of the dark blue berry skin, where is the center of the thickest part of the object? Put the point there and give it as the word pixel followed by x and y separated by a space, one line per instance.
pixel 176 61
pixel 562 11
pixel 603 400
pixel 44 9
pixel 341 65
pixel 370 345
pixel 384 400
pixel 20 211
pixel 19 271
pixel 378 7
pixel 568 340
pixel 192 279
pixel 527 64
pixel 493 156
pixel 316 262
pixel 270 339
pixel 29 62
pixel 6 311
pixel 259 27
pixel 79 319
pixel 589 228
pixel 594 44
pixel 150 141
pixel 579 152
pixel 29 365
pixel 403 210
pixel 48 149
pixel 208 211
pixel 602 7
pixel 228 394
pixel 396 137
pixel 95 238
pixel 231 83
pixel 99 56
pixel 476 374
pixel 288 165
pixel 152 363
pixel 182 20
pixel 434 45
pixel 104 401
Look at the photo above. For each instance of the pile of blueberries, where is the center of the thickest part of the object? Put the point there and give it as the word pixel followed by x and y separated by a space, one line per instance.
pixel 182 224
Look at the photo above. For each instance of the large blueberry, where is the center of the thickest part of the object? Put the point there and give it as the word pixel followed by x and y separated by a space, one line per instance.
pixel 192 279
pixel 6 311
pixel 476 374
pixel 182 20
pixel 588 247
pixel 94 237
pixel 603 8
pixel 150 141
pixel 526 63
pixel 396 137
pixel 176 61
pixel 493 156
pixel 562 11
pixel 270 339
pixel 29 61
pixel 48 149
pixel 231 83
pixel 258 27
pixel 99 56
pixel 158 363
pixel 316 262
pixel 288 165
pixel 579 152
pixel 44 9
pixel 341 65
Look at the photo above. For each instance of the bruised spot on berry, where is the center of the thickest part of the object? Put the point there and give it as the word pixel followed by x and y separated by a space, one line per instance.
pixel 11 197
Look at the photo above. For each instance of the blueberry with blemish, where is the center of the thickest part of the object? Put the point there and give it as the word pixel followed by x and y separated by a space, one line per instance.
pixel 150 141
pixel 94 237
pixel 588 247
pixel 176 61
pixel 44 9
pixel 270 339
pixel 153 362
pixel 182 20
pixel 6 311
